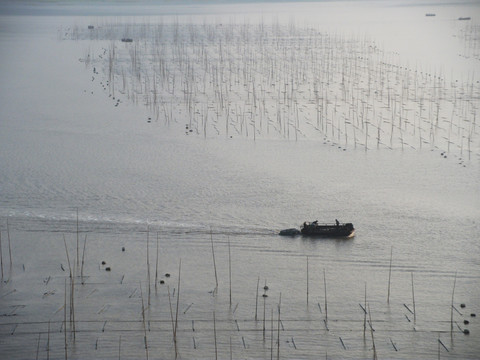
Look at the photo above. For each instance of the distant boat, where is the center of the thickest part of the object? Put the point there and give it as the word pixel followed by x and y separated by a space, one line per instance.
pixel 127 40
pixel 314 229
pixel 429 14
pixel 465 18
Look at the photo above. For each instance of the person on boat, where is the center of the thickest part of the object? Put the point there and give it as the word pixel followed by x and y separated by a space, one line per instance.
pixel 336 221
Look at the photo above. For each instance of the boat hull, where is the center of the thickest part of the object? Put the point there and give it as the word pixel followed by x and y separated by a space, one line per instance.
pixel 340 230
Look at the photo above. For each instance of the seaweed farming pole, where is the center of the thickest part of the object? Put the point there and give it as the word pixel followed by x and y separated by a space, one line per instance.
pixel 365 312
pixel 278 327
pixel 72 302
pixel 256 299
pixel 65 320
pixel 156 266
pixel 148 265
pixel 173 323
pixel 143 321
pixel 214 335
pixel 1 254
pixel 371 331
pixel 413 297
pixel 214 264
pixel 451 310
pixel 307 280
pixel 178 301
pixel 271 336
pixel 9 246
pixel 78 252
pixel 83 258
pixel 389 274
pixel 325 287
pixel 230 271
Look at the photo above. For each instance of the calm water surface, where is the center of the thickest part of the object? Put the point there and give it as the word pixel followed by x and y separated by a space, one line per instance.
pixel 64 146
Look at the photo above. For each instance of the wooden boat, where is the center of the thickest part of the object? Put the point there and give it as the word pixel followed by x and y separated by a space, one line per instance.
pixel 327 230
pixel 314 229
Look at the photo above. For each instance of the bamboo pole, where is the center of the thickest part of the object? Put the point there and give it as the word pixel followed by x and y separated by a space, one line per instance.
pixel 156 266
pixel 307 281
pixel 413 297
pixel 365 312
pixel 119 346
pixel 65 320
pixel 172 321
pixel 214 264
pixel 178 301
pixel 143 321
pixel 256 299
pixel 278 328
pixel 148 265
pixel 78 253
pixel 451 310
pixel 389 275
pixel 271 335
pixel 325 286
pixel 371 332
pixel 9 245
pixel 1 254
pixel 72 299
pixel 38 346
pixel 215 335
pixel 264 301
pixel 48 341
pixel 83 257
pixel 230 272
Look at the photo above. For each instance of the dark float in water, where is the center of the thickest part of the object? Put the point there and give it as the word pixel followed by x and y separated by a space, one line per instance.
pixel 315 229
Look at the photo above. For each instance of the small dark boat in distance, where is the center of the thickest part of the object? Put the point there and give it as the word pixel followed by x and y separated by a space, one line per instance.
pixel 314 229
pixel 327 230
pixel 290 232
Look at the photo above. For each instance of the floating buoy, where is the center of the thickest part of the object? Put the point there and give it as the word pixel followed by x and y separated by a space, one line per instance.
pixel 265 288
pixel 473 315
pixel 466 322
pixel 103 262
pixel 167 275
pixel 265 295
pixel 462 305
pixel 162 282
pixel 466 331
pixel 123 248
pixel 107 268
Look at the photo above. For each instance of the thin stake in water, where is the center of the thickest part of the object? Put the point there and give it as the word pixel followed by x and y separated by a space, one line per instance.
pixel 307 280
pixel 9 245
pixel 390 274
pixel 256 299
pixel 1 254
pixel 156 266
pixel 451 313
pixel 230 271
pixel 413 296
pixel 214 264
pixel 325 286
